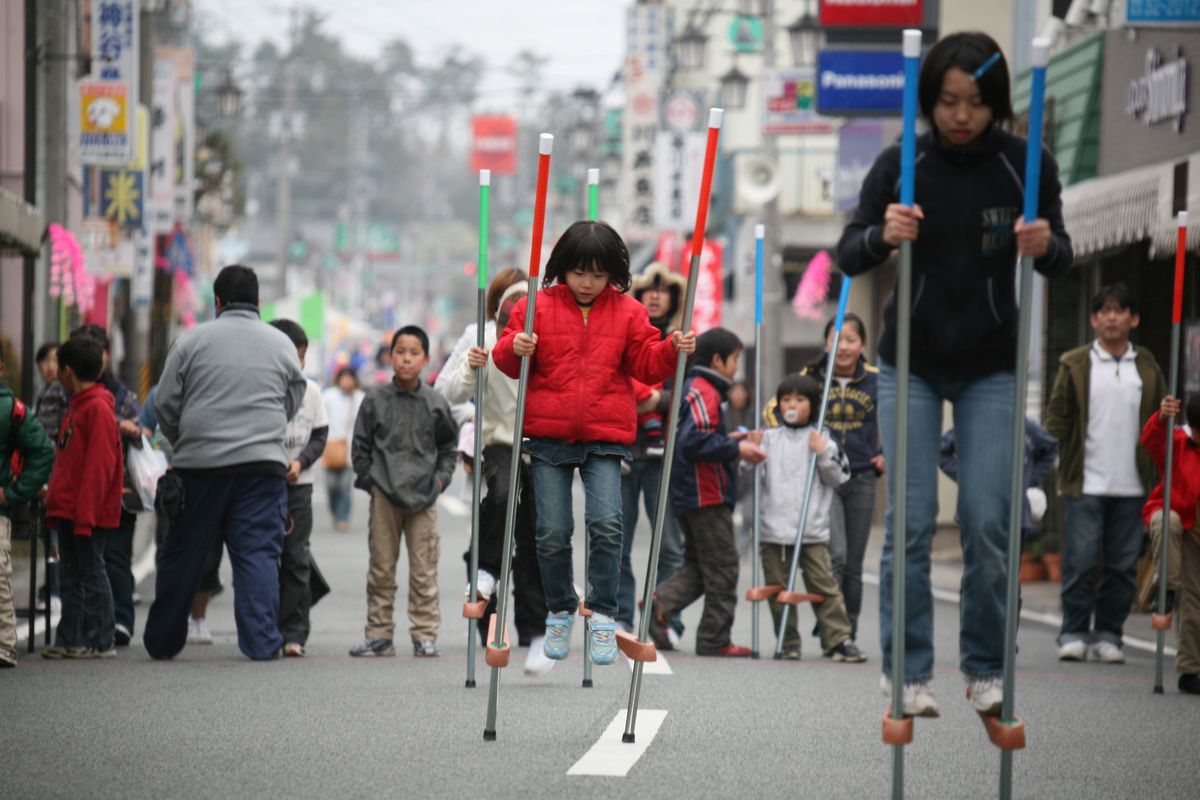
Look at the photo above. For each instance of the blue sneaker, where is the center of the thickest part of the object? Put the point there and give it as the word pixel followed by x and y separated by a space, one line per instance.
pixel 558 635
pixel 604 639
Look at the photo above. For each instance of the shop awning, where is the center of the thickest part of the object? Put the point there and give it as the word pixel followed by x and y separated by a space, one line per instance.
pixel 1128 207
pixel 20 226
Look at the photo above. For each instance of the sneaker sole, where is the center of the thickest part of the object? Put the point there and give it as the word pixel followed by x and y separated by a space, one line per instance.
pixel 846 660
pixel 1072 657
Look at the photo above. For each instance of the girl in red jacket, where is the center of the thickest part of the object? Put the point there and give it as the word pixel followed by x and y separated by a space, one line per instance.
pixel 590 342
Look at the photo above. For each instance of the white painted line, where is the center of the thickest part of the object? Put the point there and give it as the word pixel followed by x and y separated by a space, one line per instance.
pixel 1043 617
pixel 612 757
pixel 453 506
pixel 659 667
pixel 144 565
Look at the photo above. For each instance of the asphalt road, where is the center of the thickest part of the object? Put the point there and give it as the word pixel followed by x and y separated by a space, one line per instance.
pixel 212 724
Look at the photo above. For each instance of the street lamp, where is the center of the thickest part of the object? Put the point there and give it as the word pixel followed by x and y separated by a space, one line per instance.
pixel 691 47
pixel 804 35
pixel 229 96
pixel 733 88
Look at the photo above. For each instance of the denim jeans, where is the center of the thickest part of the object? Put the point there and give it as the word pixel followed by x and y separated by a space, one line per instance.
pixel 1100 551
pixel 118 564
pixel 645 478
pixel 340 484
pixel 554 465
pixel 850 529
pixel 983 419
pixel 87 615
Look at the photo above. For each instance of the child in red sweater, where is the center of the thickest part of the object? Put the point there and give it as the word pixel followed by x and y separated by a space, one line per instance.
pixel 590 339
pixel 85 496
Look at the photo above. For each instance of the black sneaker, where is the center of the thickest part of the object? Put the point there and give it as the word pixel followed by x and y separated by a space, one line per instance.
pixel 121 635
pixel 1189 683
pixel 791 652
pixel 374 647
pixel 425 648
pixel 847 652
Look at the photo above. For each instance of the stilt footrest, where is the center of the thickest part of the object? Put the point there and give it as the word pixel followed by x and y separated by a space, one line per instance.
pixel 1160 622
pixel 496 655
pixel 897 731
pixel 584 611
pixel 1007 735
pixel 796 598
pixel 757 593
pixel 474 610
pixel 635 649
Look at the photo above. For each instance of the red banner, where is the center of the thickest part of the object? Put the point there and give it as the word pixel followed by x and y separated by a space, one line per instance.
pixel 710 283
pixel 495 144
pixel 871 13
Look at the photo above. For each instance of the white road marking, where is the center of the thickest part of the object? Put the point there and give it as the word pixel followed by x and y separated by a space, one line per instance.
pixel 1045 618
pixel 613 758
pixel 659 667
pixel 453 506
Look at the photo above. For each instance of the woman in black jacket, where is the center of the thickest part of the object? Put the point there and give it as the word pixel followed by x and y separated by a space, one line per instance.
pixel 967 232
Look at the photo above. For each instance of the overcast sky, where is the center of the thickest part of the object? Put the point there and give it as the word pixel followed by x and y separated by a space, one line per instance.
pixel 582 38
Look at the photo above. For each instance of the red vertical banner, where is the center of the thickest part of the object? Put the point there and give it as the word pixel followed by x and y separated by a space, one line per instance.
pixel 494 144
pixel 710 284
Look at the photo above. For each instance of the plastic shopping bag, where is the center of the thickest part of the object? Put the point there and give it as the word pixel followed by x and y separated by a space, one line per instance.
pixel 145 466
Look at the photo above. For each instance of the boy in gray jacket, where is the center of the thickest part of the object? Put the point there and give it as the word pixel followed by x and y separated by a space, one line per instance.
pixel 788 450
pixel 403 455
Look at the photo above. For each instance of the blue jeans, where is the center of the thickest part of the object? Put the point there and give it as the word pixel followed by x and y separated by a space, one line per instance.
pixel 87 615
pixel 340 483
pixel 1101 546
pixel 850 529
pixel 554 465
pixel 645 478
pixel 983 419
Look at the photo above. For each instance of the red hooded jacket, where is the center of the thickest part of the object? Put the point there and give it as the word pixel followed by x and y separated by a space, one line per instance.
pixel 580 387
pixel 1185 475
pixel 85 486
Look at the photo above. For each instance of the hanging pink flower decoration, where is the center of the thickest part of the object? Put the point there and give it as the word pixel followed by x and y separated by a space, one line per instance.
pixel 811 294
pixel 69 279
pixel 184 299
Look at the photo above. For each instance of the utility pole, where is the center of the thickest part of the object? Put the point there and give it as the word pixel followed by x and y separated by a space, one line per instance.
pixel 56 55
pixel 136 367
pixel 283 220
pixel 772 360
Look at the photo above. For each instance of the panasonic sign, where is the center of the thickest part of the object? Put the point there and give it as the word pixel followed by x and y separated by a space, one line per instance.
pixel 859 82
pixel 1160 95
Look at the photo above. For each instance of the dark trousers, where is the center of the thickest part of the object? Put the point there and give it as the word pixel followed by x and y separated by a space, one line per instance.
pixel 249 512
pixel 529 607
pixel 118 563
pixel 645 478
pixel 87 614
pixel 850 529
pixel 1103 538
pixel 710 568
pixel 295 568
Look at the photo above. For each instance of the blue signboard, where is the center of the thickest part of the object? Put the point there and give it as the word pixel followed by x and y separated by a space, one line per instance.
pixel 851 82
pixel 1162 11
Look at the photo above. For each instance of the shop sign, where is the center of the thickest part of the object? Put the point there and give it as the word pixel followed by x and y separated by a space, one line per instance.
pixel 1160 95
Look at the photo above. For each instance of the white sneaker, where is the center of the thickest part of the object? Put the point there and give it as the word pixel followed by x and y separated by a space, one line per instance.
pixel 536 663
pixel 485 586
pixel 986 695
pixel 1076 650
pixel 1106 652
pixel 918 697
pixel 198 632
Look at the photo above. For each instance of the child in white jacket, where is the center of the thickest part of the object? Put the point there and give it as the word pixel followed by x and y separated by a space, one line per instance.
pixel 789 448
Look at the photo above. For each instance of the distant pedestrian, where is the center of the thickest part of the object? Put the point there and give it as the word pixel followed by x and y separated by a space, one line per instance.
pixel 403 456
pixel 703 491
pixel 342 401
pixel 226 394
pixel 26 457
pixel 304 442
pixel 590 342
pixel 1103 396
pixel 83 503
pixel 49 407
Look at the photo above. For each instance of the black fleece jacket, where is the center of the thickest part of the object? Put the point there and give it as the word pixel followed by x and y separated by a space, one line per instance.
pixel 964 307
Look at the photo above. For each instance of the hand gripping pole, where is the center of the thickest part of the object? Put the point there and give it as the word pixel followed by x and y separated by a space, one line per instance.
pixel 790 597
pixel 1161 619
pixel 1008 733
pixel 593 203
pixel 710 157
pixel 899 472
pixel 473 608
pixel 495 638
pixel 755 594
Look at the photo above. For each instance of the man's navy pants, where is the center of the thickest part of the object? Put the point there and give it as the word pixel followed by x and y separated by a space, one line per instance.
pixel 250 513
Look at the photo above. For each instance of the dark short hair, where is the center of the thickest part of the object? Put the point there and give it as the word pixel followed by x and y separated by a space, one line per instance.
pixel 968 51
pixel 715 342
pixel 591 245
pixel 337 378
pixel 84 355
pixel 412 330
pixel 804 386
pixel 501 284
pixel 293 331
pixel 849 316
pixel 44 352
pixel 96 334
pixel 236 284
pixel 1117 293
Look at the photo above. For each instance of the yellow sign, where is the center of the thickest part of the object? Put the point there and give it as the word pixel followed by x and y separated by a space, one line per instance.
pixel 102 109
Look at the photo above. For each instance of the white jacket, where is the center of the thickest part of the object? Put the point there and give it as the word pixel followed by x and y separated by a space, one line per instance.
pixel 783 475
pixel 500 394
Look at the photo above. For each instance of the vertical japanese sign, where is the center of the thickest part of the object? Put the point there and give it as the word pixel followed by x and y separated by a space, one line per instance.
pixel 172 138
pixel 108 97
pixel 646 34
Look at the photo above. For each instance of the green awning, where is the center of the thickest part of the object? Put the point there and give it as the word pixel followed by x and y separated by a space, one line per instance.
pixel 20 226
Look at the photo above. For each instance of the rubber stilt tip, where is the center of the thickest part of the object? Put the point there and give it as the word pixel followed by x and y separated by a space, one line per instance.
pixel 470 684
pixel 1158 690
pixel 627 738
pixel 489 736
pixel 587 683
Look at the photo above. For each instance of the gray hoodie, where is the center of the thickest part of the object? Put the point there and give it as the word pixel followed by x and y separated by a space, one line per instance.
pixel 783 475
pixel 404 444
pixel 227 392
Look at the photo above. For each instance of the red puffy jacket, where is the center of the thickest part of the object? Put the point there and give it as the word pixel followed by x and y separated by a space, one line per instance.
pixel 580 387
pixel 1185 475
pixel 85 486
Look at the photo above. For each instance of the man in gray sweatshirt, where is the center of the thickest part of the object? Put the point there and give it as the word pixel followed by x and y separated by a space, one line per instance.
pixel 226 394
